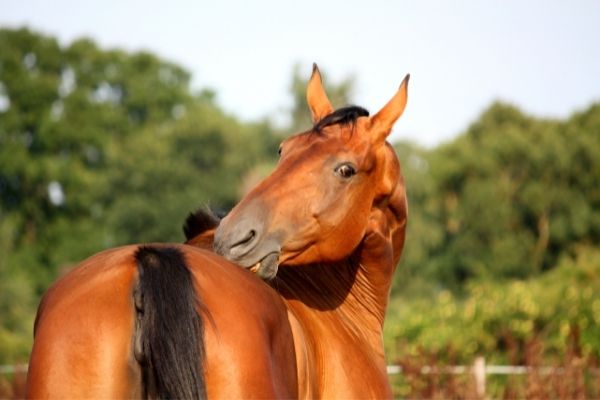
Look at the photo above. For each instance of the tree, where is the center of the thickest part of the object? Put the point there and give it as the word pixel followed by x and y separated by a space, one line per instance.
pixel 66 108
pixel 161 175
pixel 425 232
pixel 511 196
pixel 100 148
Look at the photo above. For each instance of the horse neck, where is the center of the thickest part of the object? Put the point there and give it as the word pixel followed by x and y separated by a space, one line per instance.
pixel 350 297
pixel 378 254
pixel 343 295
pixel 382 246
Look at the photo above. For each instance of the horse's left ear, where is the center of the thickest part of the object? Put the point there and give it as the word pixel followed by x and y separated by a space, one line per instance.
pixel 316 97
pixel 382 122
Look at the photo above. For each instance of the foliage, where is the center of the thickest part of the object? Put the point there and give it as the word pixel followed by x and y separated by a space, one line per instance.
pixel 502 241
pixel 505 200
pixel 501 319
pixel 100 148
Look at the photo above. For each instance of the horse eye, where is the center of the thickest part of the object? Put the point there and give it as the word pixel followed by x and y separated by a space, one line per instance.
pixel 345 170
pixel 279 151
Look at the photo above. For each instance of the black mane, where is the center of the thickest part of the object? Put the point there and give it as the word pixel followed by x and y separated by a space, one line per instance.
pixel 343 116
pixel 200 221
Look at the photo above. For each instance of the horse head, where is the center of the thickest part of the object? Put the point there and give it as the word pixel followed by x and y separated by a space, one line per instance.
pixel 333 185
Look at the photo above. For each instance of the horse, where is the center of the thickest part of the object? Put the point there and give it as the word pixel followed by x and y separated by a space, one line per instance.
pixel 284 297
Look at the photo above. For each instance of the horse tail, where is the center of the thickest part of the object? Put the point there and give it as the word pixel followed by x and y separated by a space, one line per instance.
pixel 169 333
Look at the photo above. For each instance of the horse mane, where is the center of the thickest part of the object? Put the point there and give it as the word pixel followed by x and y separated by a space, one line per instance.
pixel 200 221
pixel 343 116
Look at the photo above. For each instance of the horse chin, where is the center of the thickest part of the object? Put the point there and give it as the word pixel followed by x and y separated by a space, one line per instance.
pixel 267 267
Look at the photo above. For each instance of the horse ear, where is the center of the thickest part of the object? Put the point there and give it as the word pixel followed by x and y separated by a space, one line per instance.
pixel 382 122
pixel 316 97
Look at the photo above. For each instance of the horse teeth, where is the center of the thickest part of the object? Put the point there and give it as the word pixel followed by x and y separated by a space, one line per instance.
pixel 255 267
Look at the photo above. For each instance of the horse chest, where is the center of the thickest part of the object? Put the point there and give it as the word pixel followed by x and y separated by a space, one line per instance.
pixel 353 371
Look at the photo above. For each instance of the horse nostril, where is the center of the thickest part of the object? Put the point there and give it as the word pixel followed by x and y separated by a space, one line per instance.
pixel 245 241
pixel 236 238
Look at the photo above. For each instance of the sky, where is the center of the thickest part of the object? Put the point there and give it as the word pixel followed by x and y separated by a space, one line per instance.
pixel 542 56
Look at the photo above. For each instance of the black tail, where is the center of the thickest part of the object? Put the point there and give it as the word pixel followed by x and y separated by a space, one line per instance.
pixel 169 332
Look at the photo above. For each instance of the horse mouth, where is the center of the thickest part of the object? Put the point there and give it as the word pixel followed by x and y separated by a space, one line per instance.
pixel 267 267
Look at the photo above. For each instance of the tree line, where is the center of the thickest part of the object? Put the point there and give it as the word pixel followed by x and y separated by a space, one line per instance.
pixel 103 147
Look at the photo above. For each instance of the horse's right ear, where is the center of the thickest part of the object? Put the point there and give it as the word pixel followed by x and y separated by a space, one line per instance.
pixel 316 97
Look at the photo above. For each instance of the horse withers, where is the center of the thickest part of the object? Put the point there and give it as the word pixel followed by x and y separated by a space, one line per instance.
pixel 325 231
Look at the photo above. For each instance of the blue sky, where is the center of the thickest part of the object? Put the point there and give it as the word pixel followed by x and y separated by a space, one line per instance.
pixel 543 56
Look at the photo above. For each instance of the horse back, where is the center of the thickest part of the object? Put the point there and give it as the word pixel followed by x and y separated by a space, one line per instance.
pixel 85 331
pixel 248 339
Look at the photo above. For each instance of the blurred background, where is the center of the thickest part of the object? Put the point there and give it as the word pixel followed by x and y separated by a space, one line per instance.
pixel 119 118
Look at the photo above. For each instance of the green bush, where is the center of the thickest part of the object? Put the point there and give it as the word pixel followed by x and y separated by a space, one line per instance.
pixel 498 320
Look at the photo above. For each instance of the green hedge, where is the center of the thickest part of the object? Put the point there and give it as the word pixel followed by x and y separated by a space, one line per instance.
pixel 494 319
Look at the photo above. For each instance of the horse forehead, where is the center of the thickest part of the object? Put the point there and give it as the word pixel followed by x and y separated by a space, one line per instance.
pixel 323 151
pixel 348 138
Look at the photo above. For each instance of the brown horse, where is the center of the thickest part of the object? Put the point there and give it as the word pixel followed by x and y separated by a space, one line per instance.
pixel 325 229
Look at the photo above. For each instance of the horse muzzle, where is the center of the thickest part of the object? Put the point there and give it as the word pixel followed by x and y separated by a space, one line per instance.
pixel 245 242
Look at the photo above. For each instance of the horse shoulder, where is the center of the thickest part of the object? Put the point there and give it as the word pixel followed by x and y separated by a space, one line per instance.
pixel 333 360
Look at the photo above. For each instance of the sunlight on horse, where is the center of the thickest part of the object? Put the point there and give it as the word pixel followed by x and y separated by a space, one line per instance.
pixel 325 231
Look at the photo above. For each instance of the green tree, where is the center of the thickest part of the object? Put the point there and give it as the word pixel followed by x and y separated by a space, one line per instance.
pixel 546 308
pixel 162 174
pixel 511 195
pixel 65 109
pixel 425 232
pixel 100 148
